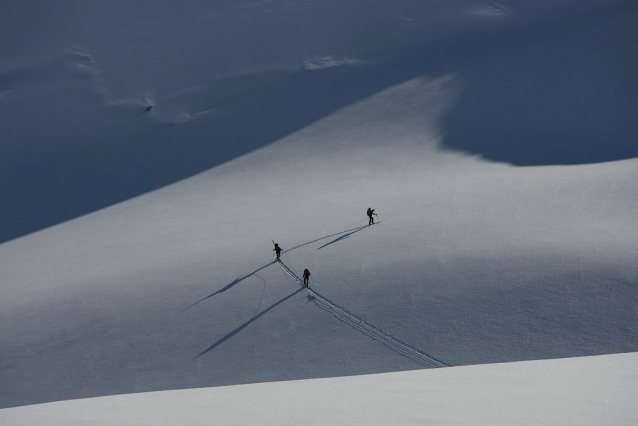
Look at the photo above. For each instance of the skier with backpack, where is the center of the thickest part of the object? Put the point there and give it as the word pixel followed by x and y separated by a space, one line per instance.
pixel 370 213
pixel 277 250
pixel 306 277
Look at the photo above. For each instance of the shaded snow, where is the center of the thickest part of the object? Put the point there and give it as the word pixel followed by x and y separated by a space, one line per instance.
pixel 489 9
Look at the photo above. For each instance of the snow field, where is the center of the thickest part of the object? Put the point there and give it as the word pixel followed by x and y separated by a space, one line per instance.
pixel 578 391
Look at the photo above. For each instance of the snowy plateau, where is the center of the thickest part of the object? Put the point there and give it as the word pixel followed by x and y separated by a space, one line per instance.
pixel 151 153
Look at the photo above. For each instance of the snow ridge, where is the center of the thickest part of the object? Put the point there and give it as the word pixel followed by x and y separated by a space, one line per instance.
pixel 366 328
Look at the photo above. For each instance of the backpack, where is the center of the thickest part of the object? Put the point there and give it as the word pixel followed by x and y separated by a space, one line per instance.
pixel 370 211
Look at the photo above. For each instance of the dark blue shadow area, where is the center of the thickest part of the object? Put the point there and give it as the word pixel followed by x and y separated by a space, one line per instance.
pixel 75 158
pixel 247 323
pixel 560 94
pixel 557 93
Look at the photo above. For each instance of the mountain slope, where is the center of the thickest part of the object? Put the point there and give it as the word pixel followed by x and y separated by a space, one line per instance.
pixel 166 280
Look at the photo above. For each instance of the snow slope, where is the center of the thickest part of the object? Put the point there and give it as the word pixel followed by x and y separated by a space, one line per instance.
pixel 168 281
pixel 579 391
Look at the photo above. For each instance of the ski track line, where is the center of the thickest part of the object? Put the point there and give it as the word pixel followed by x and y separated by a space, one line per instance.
pixel 368 329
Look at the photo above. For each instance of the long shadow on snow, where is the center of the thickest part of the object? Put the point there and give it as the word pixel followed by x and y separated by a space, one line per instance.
pixel 231 285
pixel 344 236
pixel 322 238
pixel 243 277
pixel 247 323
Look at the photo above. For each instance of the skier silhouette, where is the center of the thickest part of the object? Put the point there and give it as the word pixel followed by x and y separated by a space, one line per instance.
pixel 370 213
pixel 306 277
pixel 277 250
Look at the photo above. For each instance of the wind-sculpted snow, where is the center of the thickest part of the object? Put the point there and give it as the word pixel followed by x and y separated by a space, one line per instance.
pixel 366 328
pixel 490 10
pixel 328 61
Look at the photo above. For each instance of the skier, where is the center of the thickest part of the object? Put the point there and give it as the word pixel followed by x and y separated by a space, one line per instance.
pixel 306 277
pixel 370 213
pixel 277 250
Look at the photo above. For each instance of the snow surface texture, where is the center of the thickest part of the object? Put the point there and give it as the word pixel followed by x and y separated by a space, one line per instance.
pixel 150 153
pixel 579 392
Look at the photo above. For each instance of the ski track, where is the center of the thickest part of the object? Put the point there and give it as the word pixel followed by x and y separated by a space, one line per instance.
pixel 368 329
